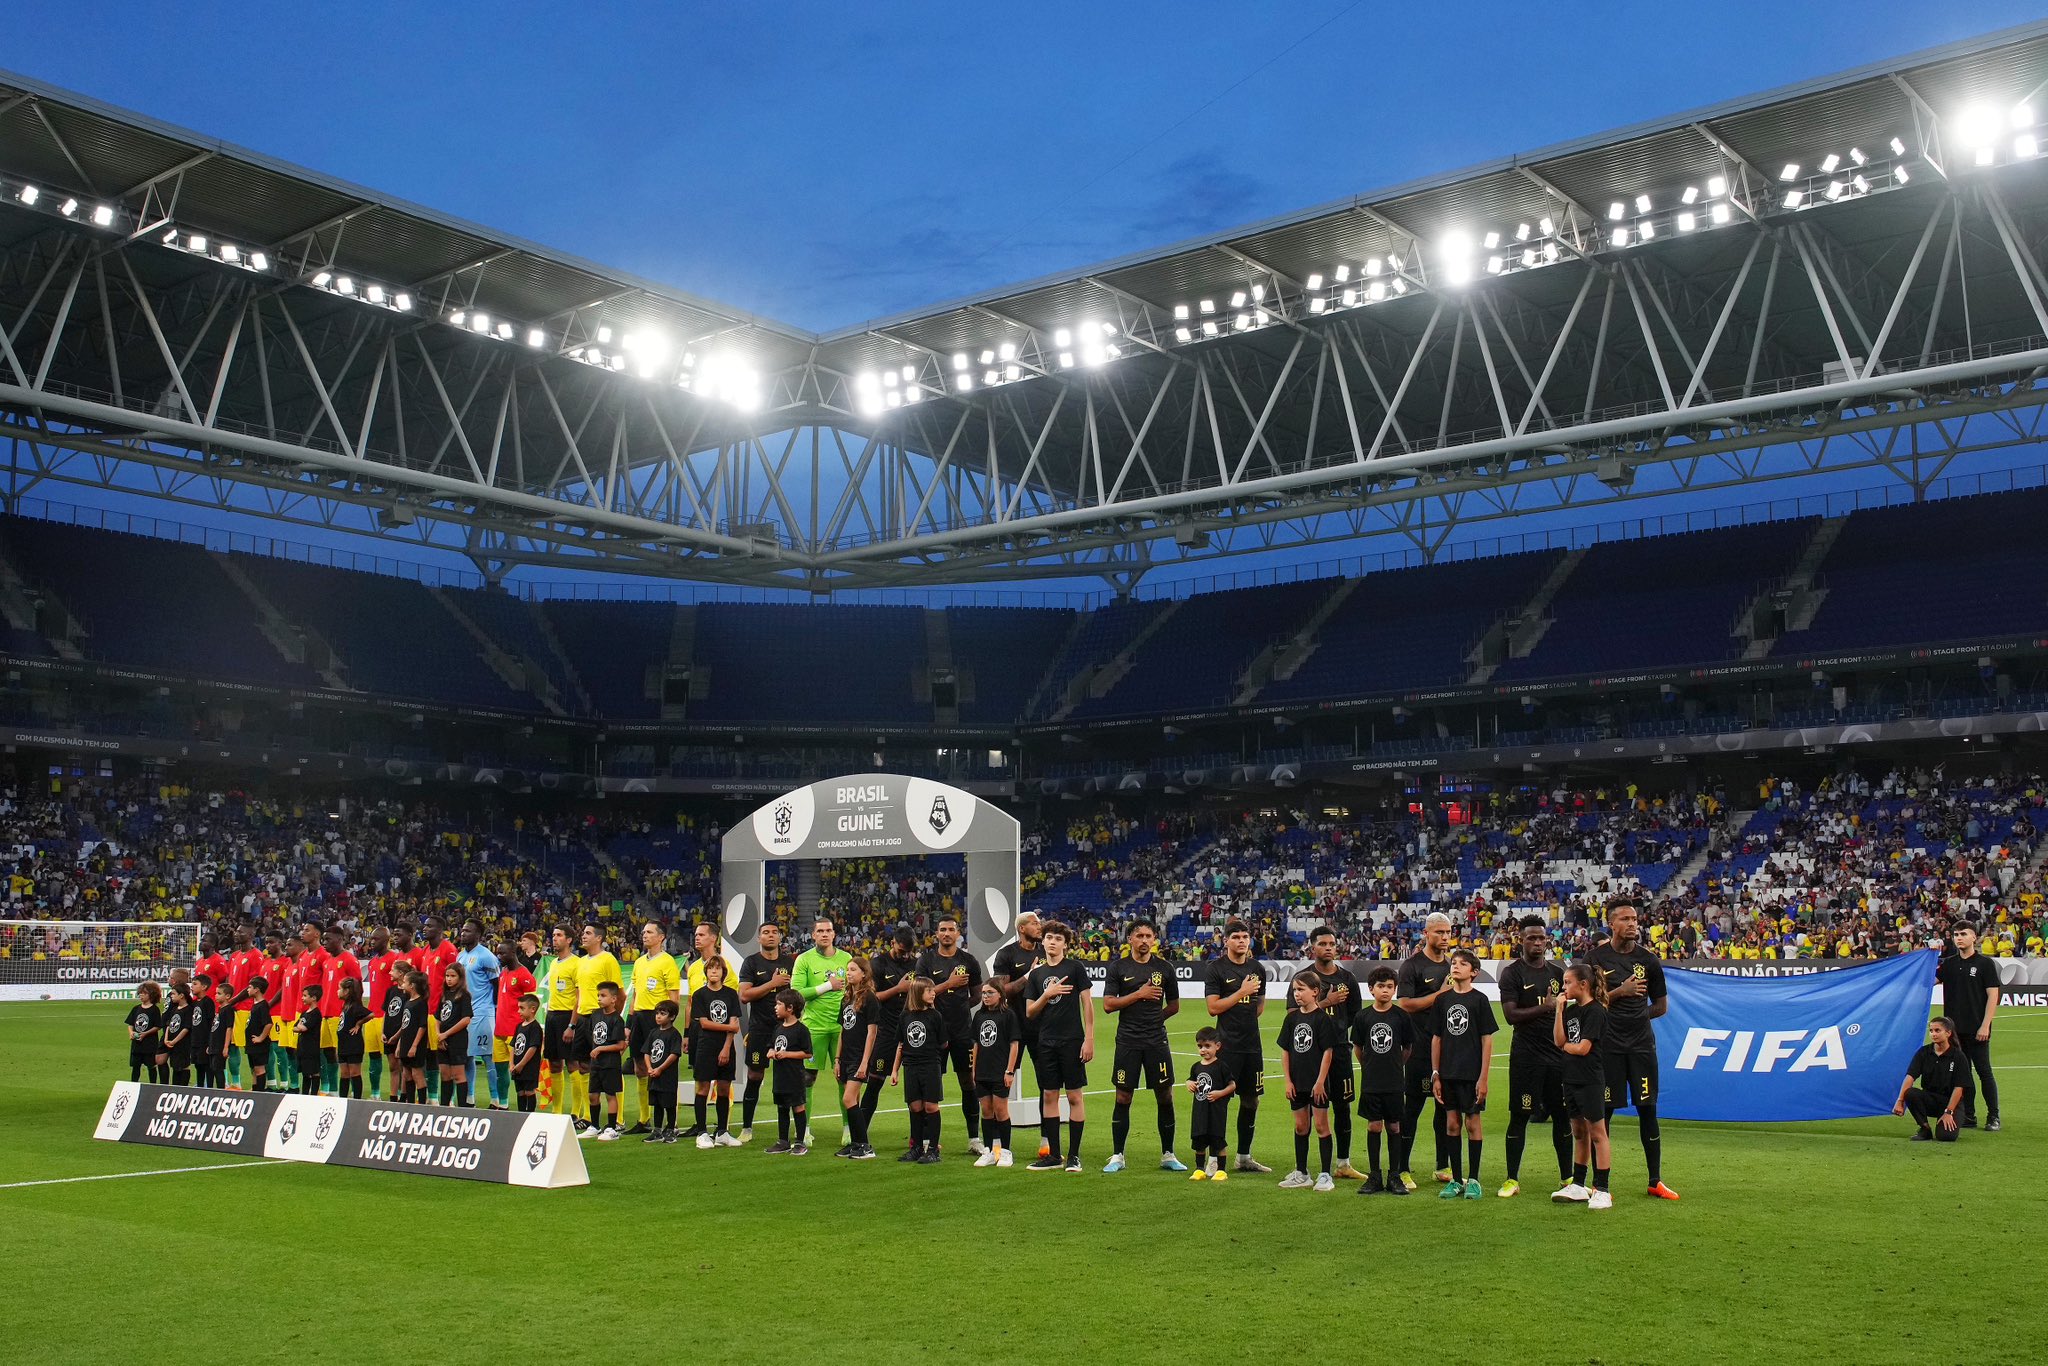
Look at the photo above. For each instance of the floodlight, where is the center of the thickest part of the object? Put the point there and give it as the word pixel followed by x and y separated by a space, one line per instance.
pixel 28 194
pixel 375 294
pixel 889 379
pixel 963 383
pixel 1529 258
pixel 1550 251
pixel 326 278
pixel 1642 203
pixel 1343 274
pixel 1182 334
pixel 987 356
pixel 1208 305
pixel 1722 213
pixel 1350 298
pixel 1180 313
pixel 230 253
pixel 1372 266
pixel 456 319
pixel 617 362
pixel 401 301
pixel 1521 232
pixel 893 398
pixel 1792 198
pixel 259 261
pixel 1376 291
pixel 1859 184
pixel 909 373
pixel 2023 115
pixel 959 360
pixel 1983 157
pixel 1692 193
pixel 1646 229
pixel 1490 241
pixel 913 395
pixel 536 338
pixel 479 322
pixel 1208 329
pixel 1258 293
pixel 196 242
pixel 1546 225
pixel 1063 337
pixel 1977 125
pixel 1494 265
pixel 604 336
pixel 1315 281
pixel 2025 145
pixel 1237 299
pixel 1791 171
pixel 1007 351
pixel 103 216
pixel 1620 238
pixel 1899 174
pixel 1066 360
pixel 1455 252
pixel 1856 155
pixel 1898 148
pixel 1244 322
pixel 1828 164
pixel 1687 222
pixel 1012 373
pixel 68 207
pixel 344 285
pixel 505 331
pixel 990 377
pixel 1717 186
pixel 1617 211
pixel 1835 189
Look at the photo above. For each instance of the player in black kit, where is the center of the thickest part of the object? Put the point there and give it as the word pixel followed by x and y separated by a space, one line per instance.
pixel 1341 999
pixel 1142 994
pixel 955 976
pixel 1421 979
pixel 1383 1035
pixel 1234 990
pixel 762 974
pixel 1635 997
pixel 1529 988
pixel 1062 1003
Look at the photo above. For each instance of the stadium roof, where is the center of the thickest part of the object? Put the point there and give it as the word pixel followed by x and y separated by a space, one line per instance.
pixel 1030 377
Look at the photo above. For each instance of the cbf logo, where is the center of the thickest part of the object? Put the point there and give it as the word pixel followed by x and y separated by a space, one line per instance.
pixel 323 1127
pixel 942 815
pixel 537 1151
pixel 1303 1038
pixel 987 1035
pixel 120 1107
pixel 915 1034
pixel 1457 1020
pixel 783 818
pixel 1380 1038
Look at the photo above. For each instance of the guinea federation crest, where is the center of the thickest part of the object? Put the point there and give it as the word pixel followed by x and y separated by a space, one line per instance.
pixel 783 819
pixel 291 1126
pixel 537 1151
pixel 942 815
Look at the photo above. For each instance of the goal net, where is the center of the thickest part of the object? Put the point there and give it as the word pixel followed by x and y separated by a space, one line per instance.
pixel 88 960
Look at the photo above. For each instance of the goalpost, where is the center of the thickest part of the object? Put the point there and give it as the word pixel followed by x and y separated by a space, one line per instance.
pixel 90 960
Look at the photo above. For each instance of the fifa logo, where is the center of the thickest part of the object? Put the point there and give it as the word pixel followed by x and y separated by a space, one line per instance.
pixel 783 819
pixel 942 815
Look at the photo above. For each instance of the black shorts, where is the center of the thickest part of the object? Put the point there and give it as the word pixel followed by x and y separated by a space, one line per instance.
pixel 1305 1095
pixel 1631 1076
pixel 990 1086
pixel 1586 1101
pixel 704 1064
pixel 1248 1069
pixel 1146 1067
pixel 552 1045
pixel 1342 1086
pixel 757 1051
pixel 1208 1121
pixel 579 1042
pixel 1058 1066
pixel 606 1081
pixel 639 1029
pixel 922 1082
pixel 351 1054
pixel 789 1098
pixel 259 1056
pixel 141 1055
pixel 309 1060
pixel 960 1047
pixel 1461 1097
pixel 455 1052
pixel 1535 1088
pixel 412 1049
pixel 1382 1106
pixel 529 1080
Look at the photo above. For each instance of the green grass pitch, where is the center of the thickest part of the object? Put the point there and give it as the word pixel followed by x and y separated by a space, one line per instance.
pixel 1815 1242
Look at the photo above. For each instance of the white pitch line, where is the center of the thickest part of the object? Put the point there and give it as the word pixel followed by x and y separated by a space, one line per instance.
pixel 161 1171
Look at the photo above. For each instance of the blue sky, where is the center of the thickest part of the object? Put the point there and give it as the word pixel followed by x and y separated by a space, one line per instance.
pixel 825 164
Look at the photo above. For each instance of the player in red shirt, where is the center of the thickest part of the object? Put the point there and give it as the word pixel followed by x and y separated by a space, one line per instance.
pixel 337 965
pixel 279 967
pixel 515 979
pixel 244 963
pixel 376 986
pixel 440 951
pixel 310 970
pixel 213 964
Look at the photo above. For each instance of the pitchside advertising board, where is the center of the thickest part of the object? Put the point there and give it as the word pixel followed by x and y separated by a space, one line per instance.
pixel 507 1148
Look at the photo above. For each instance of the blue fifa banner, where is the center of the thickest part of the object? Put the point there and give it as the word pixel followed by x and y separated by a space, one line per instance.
pixel 1829 1045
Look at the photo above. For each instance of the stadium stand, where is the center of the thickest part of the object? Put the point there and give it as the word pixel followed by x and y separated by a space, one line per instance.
pixel 815 665
pixel 1006 652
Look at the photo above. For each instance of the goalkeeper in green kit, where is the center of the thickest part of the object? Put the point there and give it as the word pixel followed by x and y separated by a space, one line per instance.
pixel 820 978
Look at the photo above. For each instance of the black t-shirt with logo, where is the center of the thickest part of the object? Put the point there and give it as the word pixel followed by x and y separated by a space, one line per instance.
pixel 1239 1025
pixel 1462 1020
pixel 1582 1022
pixel 1014 962
pixel 204 1016
pixel 1343 1012
pixel 854 1023
pixel 788 1074
pixel 1209 1078
pixel 349 1037
pixel 177 1020
pixel 309 1039
pixel 1415 978
pixel 1940 1074
pixel 1963 984
pixel 663 1044
pixel 1142 1024
pixel 394 1019
pixel 709 1006
pixel 890 970
pixel 412 1023
pixel 994 1032
pixel 1305 1036
pixel 606 1027
pixel 959 1003
pixel 529 1035
pixel 757 971
pixel 1523 985
pixel 924 1038
pixel 455 1008
pixel 1381 1035
pixel 1628 1018
pixel 1059 1019
pixel 143 1023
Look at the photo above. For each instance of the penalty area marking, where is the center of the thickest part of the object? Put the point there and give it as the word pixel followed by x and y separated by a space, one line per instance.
pixel 161 1171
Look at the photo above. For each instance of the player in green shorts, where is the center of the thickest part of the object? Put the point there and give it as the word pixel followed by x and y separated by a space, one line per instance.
pixel 819 976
